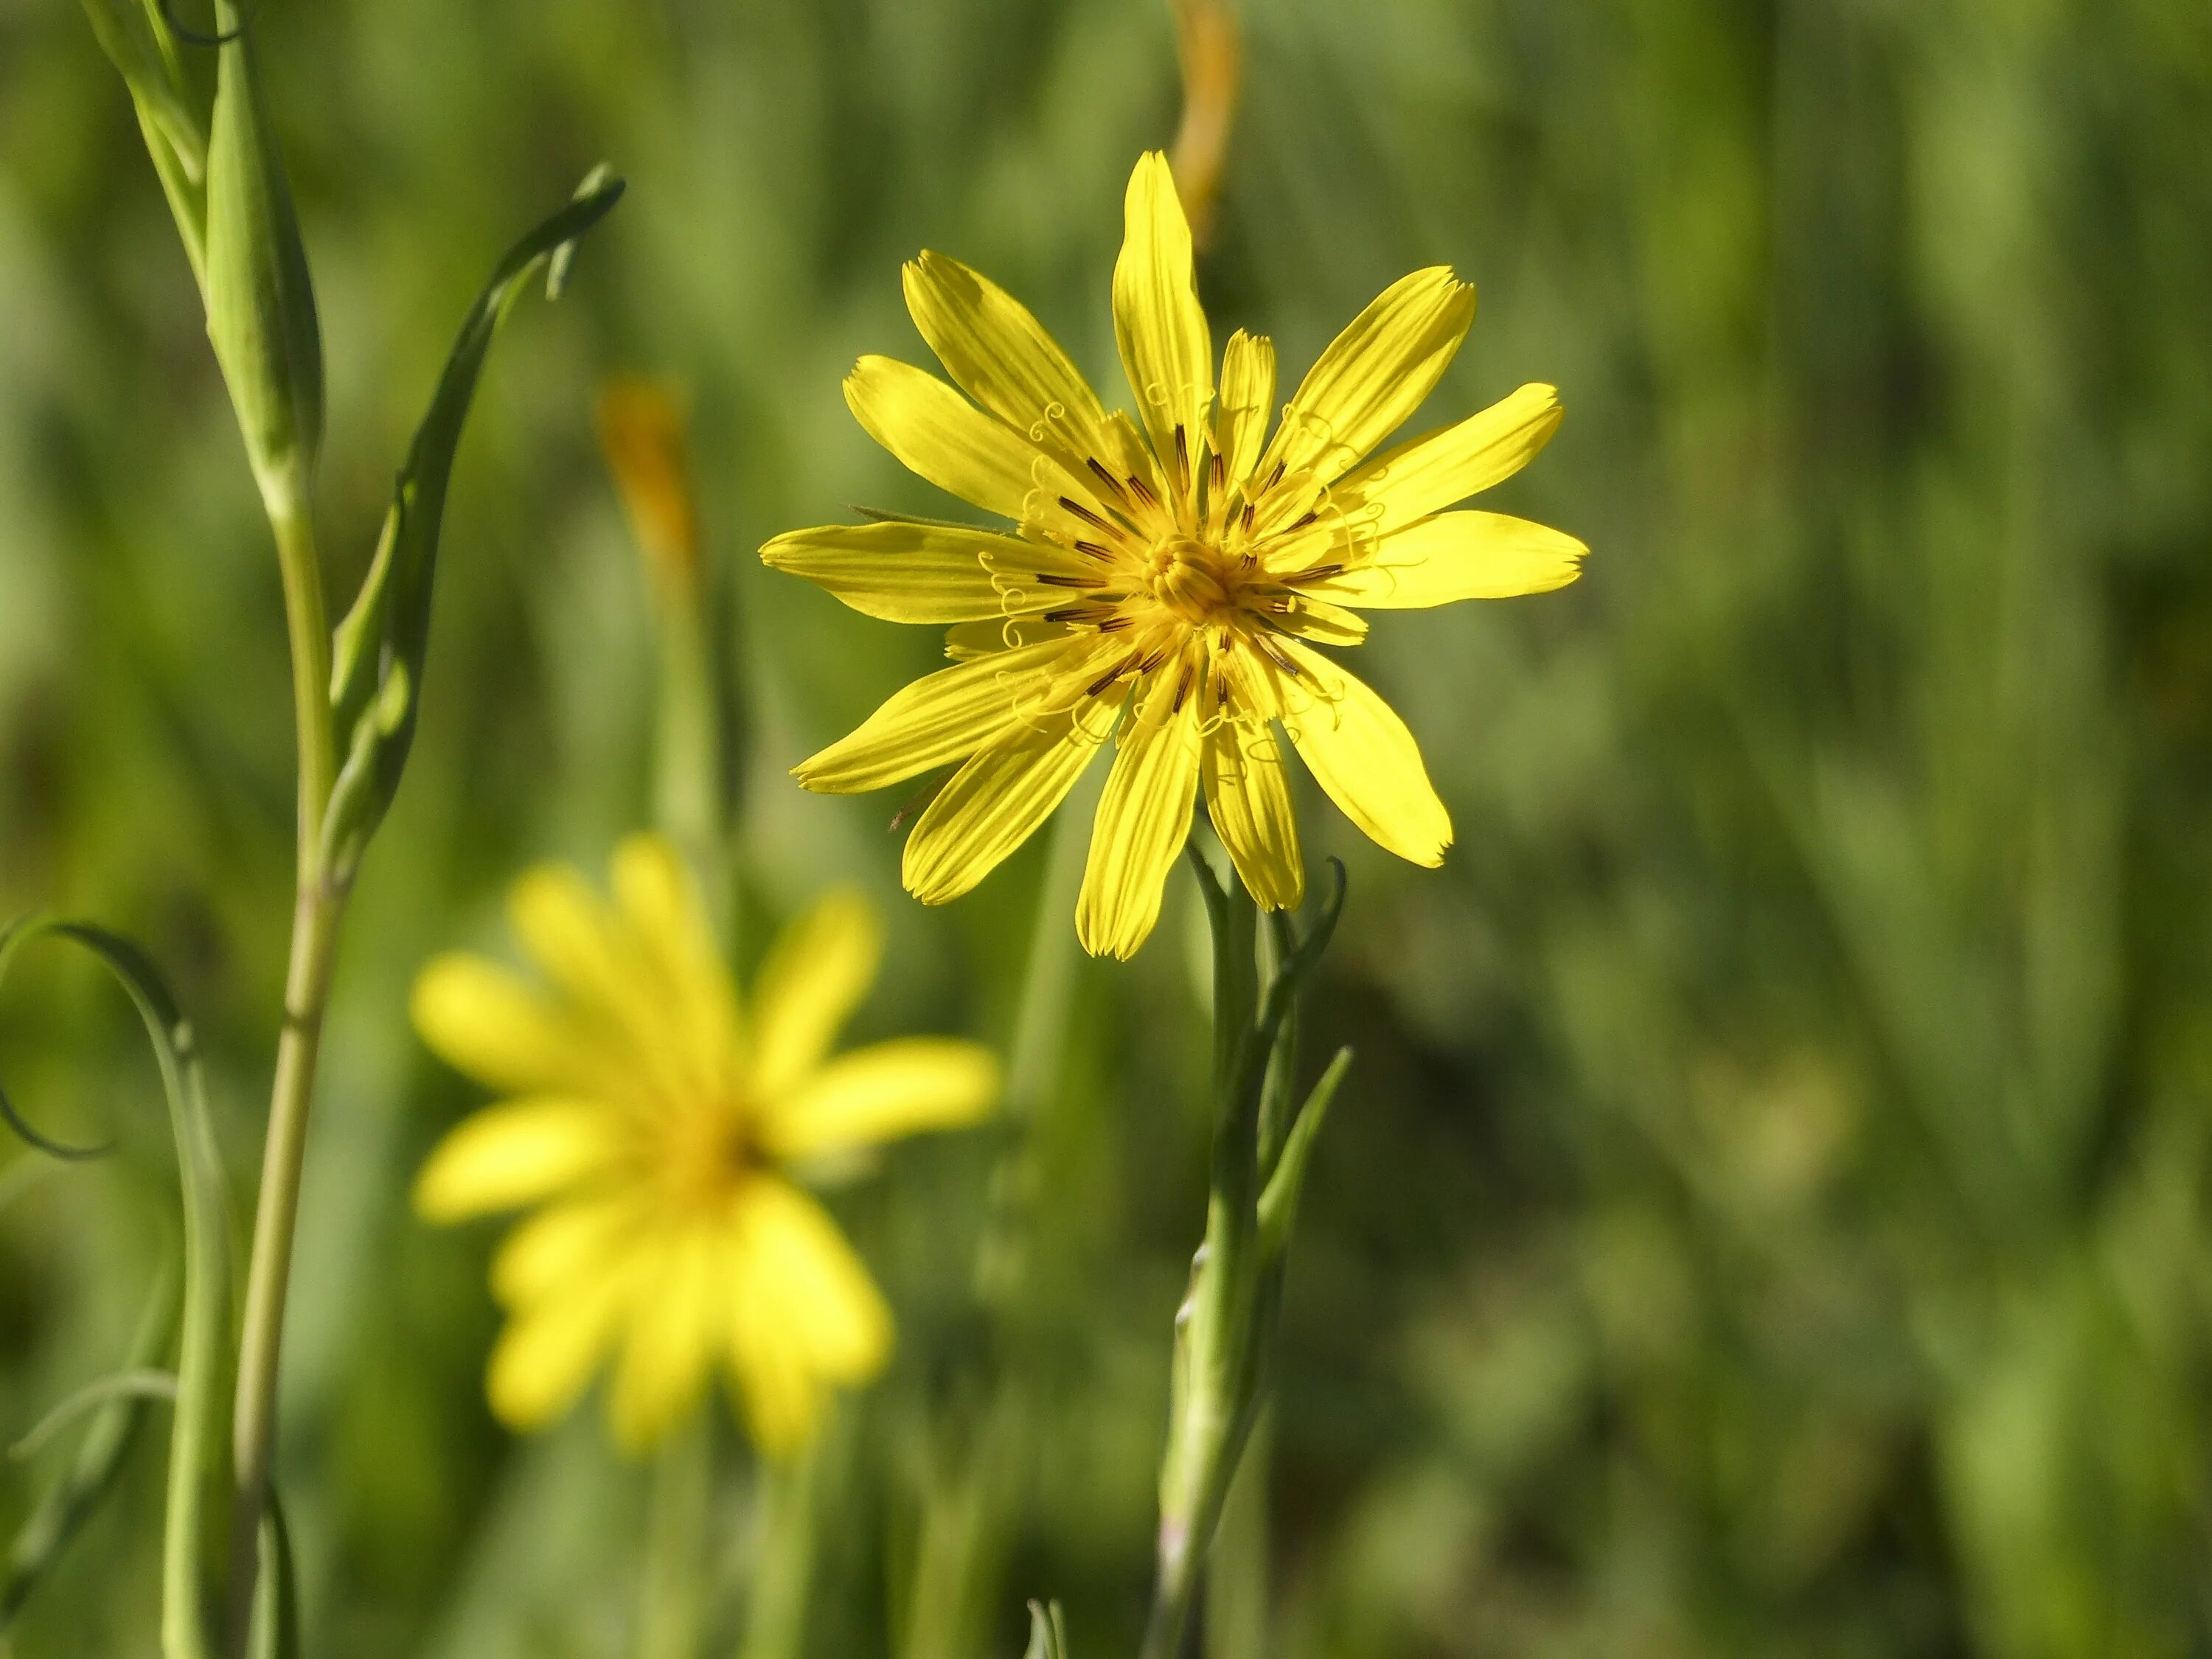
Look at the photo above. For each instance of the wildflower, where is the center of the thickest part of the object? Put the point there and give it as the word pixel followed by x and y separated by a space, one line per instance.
pixel 652 1124
pixel 1173 578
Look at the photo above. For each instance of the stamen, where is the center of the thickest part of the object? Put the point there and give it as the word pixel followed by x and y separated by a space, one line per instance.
pixel 1106 679
pixel 1050 580
pixel 1311 518
pixel 1114 624
pixel 1183 456
pixel 1106 477
pixel 1072 613
pixel 1275 655
pixel 1219 470
pixel 1093 549
pixel 1086 514
pixel 1274 478
pixel 1183 691
pixel 1320 573
pixel 1251 512
pixel 1143 490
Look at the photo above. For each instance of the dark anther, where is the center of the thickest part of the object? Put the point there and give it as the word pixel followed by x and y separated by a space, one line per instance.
pixel 1086 514
pixel 1144 489
pixel 1106 477
pixel 1052 580
pixel 1183 454
pixel 1093 549
pixel 1183 691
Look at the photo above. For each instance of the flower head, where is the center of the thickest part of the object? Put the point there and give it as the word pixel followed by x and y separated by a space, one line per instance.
pixel 1168 578
pixel 650 1125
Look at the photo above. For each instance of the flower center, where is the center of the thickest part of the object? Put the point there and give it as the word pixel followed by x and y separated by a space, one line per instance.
pixel 705 1155
pixel 1190 578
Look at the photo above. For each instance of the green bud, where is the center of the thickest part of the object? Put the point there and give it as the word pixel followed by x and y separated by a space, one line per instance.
pixel 260 300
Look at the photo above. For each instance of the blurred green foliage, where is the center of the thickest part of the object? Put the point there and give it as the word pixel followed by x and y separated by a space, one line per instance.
pixel 1768 1214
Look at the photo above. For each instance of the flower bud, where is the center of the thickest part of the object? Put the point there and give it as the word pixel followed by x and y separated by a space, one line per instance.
pixel 260 300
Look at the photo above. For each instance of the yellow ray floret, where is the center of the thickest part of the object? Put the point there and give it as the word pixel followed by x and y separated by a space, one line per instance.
pixel 649 1128
pixel 1166 578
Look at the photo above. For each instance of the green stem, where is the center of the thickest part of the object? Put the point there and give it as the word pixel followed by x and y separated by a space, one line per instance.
pixel 1216 1363
pixel 783 1561
pixel 688 773
pixel 671 1615
pixel 317 914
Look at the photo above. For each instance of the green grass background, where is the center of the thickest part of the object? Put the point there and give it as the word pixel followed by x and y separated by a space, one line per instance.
pixel 1768 1215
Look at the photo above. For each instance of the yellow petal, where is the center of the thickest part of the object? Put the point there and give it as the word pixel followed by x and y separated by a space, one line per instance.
pixel 1457 556
pixel 1248 399
pixel 574 934
pixel 829 1307
pixel 677 1324
pixel 803 1313
pixel 942 717
pixel 1144 818
pixel 995 802
pixel 1312 618
pixel 919 573
pixel 879 1093
pixel 815 976
pixel 1248 797
pixel 516 1154
pixel 987 639
pixel 547 1354
pixel 661 905
pixel 1002 357
pixel 1166 347
pixel 1432 472
pixel 1361 753
pixel 560 1246
pixel 939 434
pixel 1374 374
pixel 482 1020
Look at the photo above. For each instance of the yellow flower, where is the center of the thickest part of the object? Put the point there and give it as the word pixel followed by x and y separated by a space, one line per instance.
pixel 650 1124
pixel 1173 578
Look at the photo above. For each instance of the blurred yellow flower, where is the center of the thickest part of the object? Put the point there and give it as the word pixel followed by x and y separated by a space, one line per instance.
pixel 650 1123
pixel 1173 578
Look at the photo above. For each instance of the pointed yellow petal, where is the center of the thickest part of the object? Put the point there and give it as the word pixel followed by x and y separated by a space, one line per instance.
pixel 574 935
pixel 547 1354
pixel 987 639
pixel 939 434
pixel 803 1313
pixel 1002 357
pixel 879 1093
pixel 1248 797
pixel 1432 472
pixel 1143 819
pixel 680 961
pixel 516 1154
pixel 677 1323
pixel 1457 556
pixel 920 572
pixel 1374 374
pixel 1248 400
pixel 815 976
pixel 1166 347
pixel 994 803
pixel 482 1020
pixel 1361 753
pixel 828 1305
pixel 942 717
pixel 1315 618
pixel 560 1246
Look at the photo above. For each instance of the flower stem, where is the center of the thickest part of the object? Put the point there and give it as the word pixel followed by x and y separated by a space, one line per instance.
pixel 316 916
pixel 670 1616
pixel 1220 1332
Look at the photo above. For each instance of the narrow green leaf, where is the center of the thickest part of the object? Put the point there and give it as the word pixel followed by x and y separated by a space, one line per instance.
pixel 140 44
pixel 196 1538
pixel 137 1382
pixel 260 297
pixel 1279 1205
pixel 379 649
pixel 76 1495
